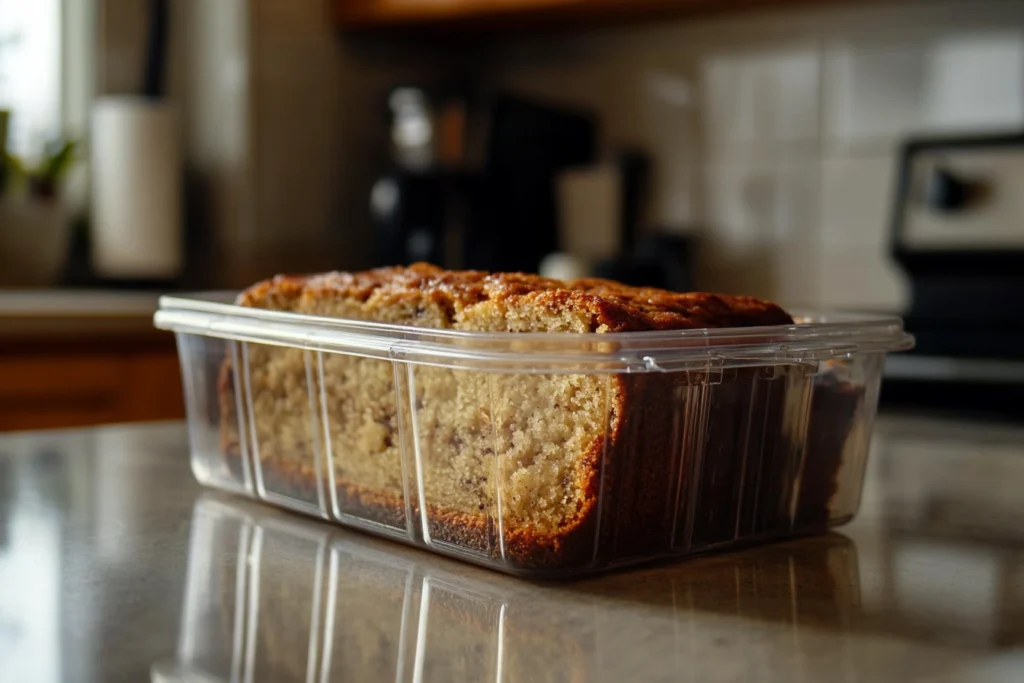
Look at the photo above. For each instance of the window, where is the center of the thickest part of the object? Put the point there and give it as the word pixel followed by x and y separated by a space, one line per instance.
pixel 30 72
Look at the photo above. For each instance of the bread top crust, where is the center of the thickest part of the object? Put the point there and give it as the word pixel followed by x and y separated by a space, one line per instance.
pixel 599 305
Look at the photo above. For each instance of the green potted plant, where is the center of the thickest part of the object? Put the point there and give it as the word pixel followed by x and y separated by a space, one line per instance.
pixel 34 222
pixel 5 118
pixel 41 180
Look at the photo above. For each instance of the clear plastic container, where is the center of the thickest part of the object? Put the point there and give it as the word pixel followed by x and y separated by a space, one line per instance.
pixel 546 455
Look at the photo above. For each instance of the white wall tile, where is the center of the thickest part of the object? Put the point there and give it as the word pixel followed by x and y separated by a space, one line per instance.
pixel 796 273
pixel 855 270
pixel 797 205
pixel 786 272
pixel 793 80
pixel 737 201
pixel 873 92
pixel 736 268
pixel 761 221
pixel 762 202
pixel 732 101
pixel 755 102
pixel 881 92
pixel 667 129
pixel 976 83
pixel 860 277
pixel 856 199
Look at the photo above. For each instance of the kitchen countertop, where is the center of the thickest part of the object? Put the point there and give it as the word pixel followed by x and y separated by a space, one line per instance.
pixel 79 320
pixel 115 565
pixel 76 302
pixel 71 313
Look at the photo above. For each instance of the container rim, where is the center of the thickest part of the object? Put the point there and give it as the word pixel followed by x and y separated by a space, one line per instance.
pixel 815 336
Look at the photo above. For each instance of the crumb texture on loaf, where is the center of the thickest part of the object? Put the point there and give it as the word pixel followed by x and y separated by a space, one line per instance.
pixel 509 464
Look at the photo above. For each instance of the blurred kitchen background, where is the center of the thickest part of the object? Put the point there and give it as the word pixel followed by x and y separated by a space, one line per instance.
pixel 828 155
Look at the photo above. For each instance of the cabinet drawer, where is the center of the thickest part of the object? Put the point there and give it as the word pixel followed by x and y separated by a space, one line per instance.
pixel 44 391
pixel 50 375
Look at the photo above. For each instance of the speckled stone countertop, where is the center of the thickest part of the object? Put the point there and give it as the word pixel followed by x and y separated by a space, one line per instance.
pixel 116 566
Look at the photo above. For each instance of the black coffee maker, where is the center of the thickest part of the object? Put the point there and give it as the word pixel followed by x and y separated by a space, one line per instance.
pixel 414 205
pixel 474 186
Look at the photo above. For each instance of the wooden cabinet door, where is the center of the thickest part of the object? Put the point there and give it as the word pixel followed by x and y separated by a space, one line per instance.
pixel 67 389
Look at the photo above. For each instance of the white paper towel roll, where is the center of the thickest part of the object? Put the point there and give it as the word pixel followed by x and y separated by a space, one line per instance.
pixel 136 189
pixel 589 210
pixel 563 266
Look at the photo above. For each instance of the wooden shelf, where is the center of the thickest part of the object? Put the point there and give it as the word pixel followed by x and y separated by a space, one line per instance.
pixel 383 14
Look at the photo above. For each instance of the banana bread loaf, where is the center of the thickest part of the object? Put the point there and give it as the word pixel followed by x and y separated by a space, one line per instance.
pixel 541 470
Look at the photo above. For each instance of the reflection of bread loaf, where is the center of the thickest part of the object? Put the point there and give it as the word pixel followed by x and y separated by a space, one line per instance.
pixel 285 604
pixel 455 628
pixel 371 599
pixel 512 464
pixel 386 618
pixel 380 617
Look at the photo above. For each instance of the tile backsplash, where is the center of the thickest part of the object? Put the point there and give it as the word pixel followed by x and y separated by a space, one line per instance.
pixel 775 134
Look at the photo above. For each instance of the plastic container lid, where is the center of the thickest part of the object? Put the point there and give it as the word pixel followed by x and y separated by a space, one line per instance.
pixel 813 337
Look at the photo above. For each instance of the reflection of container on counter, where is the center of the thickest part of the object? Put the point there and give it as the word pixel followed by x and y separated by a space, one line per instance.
pixel 279 600
pixel 136 189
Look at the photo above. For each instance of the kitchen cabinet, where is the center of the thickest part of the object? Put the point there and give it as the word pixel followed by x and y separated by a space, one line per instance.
pixel 499 14
pixel 46 385
pixel 75 359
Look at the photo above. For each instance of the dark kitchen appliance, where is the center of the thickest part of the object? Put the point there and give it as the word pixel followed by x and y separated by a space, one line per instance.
pixel 419 204
pixel 515 222
pixel 421 216
pixel 958 233
pixel 474 187
pixel 657 259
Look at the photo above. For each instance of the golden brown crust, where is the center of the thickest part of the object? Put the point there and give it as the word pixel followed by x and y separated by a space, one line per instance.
pixel 613 307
